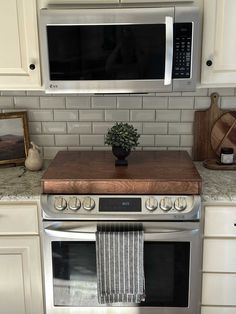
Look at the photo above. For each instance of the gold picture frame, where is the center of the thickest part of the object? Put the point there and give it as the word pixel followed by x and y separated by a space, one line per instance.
pixel 14 137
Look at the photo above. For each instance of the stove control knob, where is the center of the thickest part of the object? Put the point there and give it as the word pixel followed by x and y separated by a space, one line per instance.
pixel 88 203
pixel 151 204
pixel 74 203
pixel 180 203
pixel 166 204
pixel 60 203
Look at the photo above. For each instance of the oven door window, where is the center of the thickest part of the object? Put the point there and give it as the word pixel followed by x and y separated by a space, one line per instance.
pixel 106 52
pixel 166 274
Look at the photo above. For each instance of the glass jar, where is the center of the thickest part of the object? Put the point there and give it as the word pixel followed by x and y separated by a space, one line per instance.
pixel 227 155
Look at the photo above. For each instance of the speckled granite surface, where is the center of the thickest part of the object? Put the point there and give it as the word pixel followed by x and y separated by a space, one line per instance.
pixel 18 184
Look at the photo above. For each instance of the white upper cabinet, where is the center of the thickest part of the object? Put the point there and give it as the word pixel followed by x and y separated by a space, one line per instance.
pixel 19 52
pixel 153 1
pixel 219 44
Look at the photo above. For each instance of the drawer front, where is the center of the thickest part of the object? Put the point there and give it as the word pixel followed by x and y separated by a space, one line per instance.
pixel 219 221
pixel 18 219
pixel 218 310
pixel 219 289
pixel 219 255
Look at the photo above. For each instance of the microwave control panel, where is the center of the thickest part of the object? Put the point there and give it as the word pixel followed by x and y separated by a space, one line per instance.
pixel 182 50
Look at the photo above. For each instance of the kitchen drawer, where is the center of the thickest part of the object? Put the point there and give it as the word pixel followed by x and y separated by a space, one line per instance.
pixel 219 289
pixel 219 255
pixel 219 221
pixel 218 310
pixel 18 219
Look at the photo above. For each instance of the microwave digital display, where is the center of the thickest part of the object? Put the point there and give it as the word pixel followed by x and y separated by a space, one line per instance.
pixel 116 52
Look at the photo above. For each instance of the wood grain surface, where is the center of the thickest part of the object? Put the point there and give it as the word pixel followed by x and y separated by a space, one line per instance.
pixel 223 133
pixel 90 172
pixel 214 164
pixel 203 123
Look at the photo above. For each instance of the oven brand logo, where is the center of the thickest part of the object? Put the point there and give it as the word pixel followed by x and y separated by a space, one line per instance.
pixel 125 203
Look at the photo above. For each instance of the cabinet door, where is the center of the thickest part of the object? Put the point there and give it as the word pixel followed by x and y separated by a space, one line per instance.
pixel 45 3
pixel 219 46
pixel 220 221
pixel 20 273
pixel 19 53
pixel 219 289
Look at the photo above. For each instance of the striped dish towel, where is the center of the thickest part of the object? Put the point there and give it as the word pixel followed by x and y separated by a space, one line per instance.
pixel 120 266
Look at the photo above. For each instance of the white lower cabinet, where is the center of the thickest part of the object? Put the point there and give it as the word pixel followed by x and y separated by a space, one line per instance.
pixel 219 260
pixel 20 262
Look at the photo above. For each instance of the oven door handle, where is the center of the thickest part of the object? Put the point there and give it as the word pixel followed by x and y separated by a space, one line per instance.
pixel 148 236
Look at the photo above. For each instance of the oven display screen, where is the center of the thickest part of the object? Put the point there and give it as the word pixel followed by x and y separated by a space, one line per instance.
pixel 127 204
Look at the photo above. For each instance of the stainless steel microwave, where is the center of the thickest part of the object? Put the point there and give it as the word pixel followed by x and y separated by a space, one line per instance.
pixel 120 50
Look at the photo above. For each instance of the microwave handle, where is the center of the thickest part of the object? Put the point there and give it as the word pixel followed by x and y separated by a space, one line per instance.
pixel 169 50
pixel 91 236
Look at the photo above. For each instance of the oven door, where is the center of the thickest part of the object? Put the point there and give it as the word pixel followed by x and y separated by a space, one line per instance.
pixel 172 254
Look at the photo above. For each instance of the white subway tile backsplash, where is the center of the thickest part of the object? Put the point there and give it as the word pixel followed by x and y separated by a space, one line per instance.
pixel 168 115
pixel 91 115
pixel 54 127
pixel 187 115
pixel 52 102
pixel 129 102
pixel 180 128
pixel 80 102
pixel 65 115
pixel 26 102
pixel 155 102
pixel 35 127
pixel 101 127
pixel 79 127
pixel 146 140
pixel 221 91
pixel 167 140
pixel 80 121
pixel 40 115
pixel 6 102
pixel 186 140
pixel 142 115
pixel 103 102
pixel 92 140
pixel 181 102
pixel 43 140
pixel 67 140
pixel 228 103
pixel 116 115
pixel 154 128
pixel 202 103
pixel 50 152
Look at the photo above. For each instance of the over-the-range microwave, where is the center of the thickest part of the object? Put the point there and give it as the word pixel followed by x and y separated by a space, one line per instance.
pixel 120 50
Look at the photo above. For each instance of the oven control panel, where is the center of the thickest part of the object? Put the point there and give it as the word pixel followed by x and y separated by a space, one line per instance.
pixel 150 207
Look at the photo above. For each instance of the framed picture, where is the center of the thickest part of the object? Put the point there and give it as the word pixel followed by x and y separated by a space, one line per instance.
pixel 14 137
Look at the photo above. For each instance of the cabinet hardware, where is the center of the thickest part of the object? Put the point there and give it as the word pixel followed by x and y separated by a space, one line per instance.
pixel 209 63
pixel 32 66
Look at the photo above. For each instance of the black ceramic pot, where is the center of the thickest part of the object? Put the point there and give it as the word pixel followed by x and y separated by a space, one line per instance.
pixel 121 154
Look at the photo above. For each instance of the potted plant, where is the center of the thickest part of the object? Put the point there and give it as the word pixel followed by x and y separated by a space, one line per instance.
pixel 123 137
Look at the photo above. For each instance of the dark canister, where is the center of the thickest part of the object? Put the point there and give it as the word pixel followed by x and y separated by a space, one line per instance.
pixel 227 155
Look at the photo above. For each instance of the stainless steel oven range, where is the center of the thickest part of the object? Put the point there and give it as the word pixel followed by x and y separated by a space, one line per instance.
pixel 172 251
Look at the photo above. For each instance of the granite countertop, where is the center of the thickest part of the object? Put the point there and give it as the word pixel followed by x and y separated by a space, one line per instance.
pixel 18 184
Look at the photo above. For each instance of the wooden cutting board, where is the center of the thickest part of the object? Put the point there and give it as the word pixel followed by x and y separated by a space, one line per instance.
pixel 223 133
pixel 203 123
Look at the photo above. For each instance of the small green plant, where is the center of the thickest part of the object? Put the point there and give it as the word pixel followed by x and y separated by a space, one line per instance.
pixel 122 135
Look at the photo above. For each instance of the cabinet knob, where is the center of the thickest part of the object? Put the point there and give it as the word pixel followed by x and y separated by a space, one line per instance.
pixel 32 66
pixel 209 63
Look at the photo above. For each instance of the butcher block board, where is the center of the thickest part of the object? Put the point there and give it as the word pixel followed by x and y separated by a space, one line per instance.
pixel 203 123
pixel 90 172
